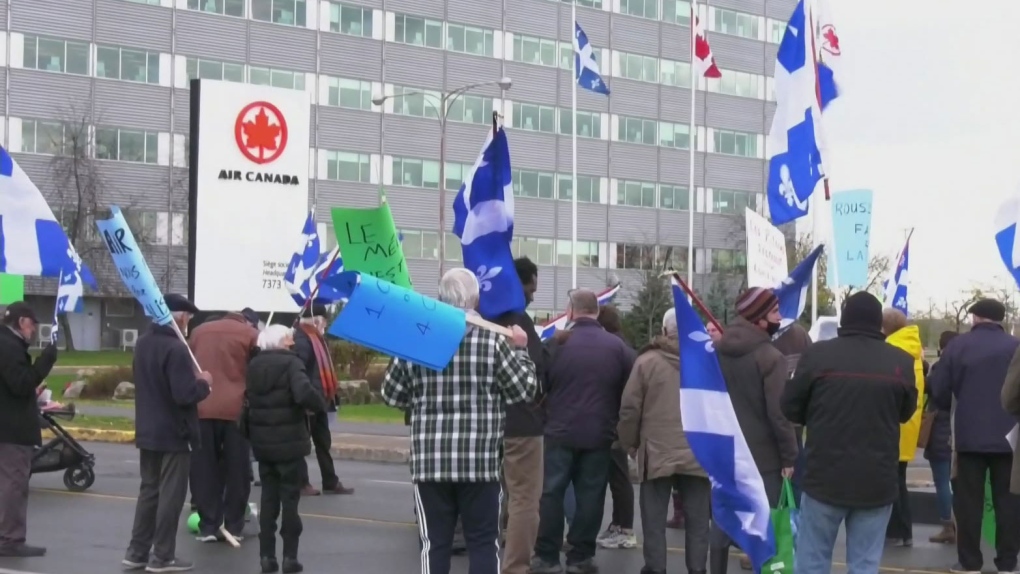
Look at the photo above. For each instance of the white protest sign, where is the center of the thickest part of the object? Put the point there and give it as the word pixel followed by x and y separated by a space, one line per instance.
pixel 766 252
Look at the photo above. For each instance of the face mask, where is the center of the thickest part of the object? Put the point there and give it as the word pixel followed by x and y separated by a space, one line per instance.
pixel 772 328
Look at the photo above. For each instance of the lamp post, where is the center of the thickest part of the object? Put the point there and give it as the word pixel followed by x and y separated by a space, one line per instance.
pixel 441 109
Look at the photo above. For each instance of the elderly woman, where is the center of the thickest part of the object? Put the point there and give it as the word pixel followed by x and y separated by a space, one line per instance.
pixel 279 396
pixel 457 419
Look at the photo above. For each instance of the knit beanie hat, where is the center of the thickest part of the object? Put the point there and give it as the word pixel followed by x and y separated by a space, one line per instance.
pixel 755 303
pixel 862 311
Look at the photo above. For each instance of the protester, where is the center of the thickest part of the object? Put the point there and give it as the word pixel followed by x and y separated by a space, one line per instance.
pixel 713 332
pixel 651 425
pixel 620 533
pixel 585 379
pixel 971 376
pixel 19 423
pixel 755 373
pixel 907 338
pixel 852 393
pixel 279 396
pixel 311 347
pixel 220 481
pixel 457 423
pixel 167 431
pixel 939 455
pixel 522 445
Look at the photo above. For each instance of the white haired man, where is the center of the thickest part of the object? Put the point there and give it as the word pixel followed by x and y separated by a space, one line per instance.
pixel 457 422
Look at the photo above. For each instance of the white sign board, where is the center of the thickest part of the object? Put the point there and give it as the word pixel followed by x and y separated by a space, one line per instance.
pixel 249 193
pixel 766 252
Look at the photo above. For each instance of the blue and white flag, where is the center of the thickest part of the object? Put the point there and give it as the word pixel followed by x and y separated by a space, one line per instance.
pixel 796 139
pixel 896 287
pixel 587 69
pixel 1007 218
pixel 307 266
pixel 483 219
pixel 70 297
pixel 739 504
pixel 32 242
pixel 546 331
pixel 793 291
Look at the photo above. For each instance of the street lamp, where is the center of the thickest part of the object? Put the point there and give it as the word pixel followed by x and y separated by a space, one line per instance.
pixel 441 109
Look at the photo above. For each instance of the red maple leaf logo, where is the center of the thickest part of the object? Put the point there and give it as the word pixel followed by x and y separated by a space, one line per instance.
pixel 261 136
pixel 831 44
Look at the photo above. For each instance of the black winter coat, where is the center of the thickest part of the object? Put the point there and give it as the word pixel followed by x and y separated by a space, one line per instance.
pixel 940 447
pixel 278 397
pixel 19 378
pixel 526 419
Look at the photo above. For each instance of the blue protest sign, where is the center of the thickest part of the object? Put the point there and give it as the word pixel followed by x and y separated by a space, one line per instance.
pixel 130 263
pixel 397 321
pixel 851 229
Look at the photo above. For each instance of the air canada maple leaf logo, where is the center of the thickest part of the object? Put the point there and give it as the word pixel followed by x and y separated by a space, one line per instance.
pixel 261 132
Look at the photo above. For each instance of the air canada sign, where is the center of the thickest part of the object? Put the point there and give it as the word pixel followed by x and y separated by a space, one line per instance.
pixel 260 131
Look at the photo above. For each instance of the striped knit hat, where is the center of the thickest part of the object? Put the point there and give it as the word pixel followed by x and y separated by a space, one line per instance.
pixel 755 303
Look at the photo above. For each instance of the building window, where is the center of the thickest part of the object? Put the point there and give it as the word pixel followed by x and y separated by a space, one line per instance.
pixel 736 143
pixel 733 202
pixel 534 118
pixel 455 174
pixel 533 183
pixel 676 12
pixel 539 251
pixel 213 70
pixel 353 94
pixel 418 31
pixel 589 124
pixel 588 188
pixel 276 78
pixel 776 30
pixel 289 12
pixel 635 256
pixel 225 7
pixel 535 50
pixel 416 102
pixel 469 40
pixel 597 4
pixel 453 247
pixel 350 20
pixel 126 64
pixel 179 229
pixel 420 244
pixel 674 197
pixel 640 8
pixel 637 130
pixel 635 193
pixel 735 24
pixel 587 253
pixel 676 74
pixel 412 172
pixel 470 109
pixel 735 84
pixel 119 307
pixel 638 67
pixel 672 257
pixel 727 261
pixel 674 135
pixel 344 166
pixel 56 55
pixel 127 145
pixel 39 136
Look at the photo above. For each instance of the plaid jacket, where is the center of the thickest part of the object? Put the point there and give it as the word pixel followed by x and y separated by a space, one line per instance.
pixel 458 414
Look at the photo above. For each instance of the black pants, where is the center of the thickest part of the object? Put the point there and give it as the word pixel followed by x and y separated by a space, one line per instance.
pixel 477 505
pixel 15 470
pixel 219 478
pixel 969 505
pixel 281 492
pixel 900 523
pixel 160 501
pixel 621 489
pixel 322 438
pixel 587 470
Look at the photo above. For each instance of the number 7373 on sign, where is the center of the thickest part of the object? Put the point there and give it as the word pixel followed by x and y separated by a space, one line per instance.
pixel 272 284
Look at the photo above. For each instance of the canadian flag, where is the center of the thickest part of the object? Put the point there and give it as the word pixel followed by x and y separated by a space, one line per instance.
pixel 703 60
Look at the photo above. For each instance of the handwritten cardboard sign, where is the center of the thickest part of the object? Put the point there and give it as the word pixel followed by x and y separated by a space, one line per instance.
pixel 130 263
pixel 766 252
pixel 370 243
pixel 851 232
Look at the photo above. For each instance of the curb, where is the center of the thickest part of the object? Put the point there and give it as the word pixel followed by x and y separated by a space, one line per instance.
pixel 96 435
pixel 370 454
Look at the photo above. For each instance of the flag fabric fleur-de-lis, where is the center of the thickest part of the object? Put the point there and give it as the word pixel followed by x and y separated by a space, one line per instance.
pixel 587 69
pixel 309 264
pixel 486 275
pixel 703 337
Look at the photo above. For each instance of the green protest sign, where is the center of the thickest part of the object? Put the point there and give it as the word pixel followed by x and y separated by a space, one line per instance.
pixel 369 243
pixel 12 288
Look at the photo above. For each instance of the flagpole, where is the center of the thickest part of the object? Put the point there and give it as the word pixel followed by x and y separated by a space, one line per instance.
pixel 573 153
pixel 814 272
pixel 692 144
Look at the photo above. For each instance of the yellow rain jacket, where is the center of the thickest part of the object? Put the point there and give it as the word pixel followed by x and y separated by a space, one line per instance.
pixel 909 339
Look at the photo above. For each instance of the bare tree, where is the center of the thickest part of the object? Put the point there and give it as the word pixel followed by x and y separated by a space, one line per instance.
pixel 878 271
pixel 956 311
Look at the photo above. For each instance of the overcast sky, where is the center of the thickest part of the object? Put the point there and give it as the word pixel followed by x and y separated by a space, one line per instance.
pixel 929 119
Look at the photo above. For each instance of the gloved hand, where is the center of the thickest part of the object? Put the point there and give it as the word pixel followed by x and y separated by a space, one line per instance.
pixel 49 354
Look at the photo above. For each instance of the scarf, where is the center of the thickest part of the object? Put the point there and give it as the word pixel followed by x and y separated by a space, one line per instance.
pixel 327 372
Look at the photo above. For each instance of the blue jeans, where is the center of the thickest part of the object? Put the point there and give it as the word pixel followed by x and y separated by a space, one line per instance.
pixel 819 526
pixel 940 473
pixel 588 471
pixel 569 504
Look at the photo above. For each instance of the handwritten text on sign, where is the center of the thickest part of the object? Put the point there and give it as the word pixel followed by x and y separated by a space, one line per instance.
pixel 131 266
pixel 851 231
pixel 370 244
pixel 766 252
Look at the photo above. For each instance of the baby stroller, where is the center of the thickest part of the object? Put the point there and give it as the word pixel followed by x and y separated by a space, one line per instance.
pixel 63 452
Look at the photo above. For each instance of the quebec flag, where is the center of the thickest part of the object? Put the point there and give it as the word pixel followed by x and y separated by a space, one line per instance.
pixel 739 504
pixel 546 331
pixel 483 219
pixel 308 265
pixel 896 287
pixel 588 76
pixel 70 297
pixel 795 141
pixel 793 291
pixel 1006 220
pixel 32 242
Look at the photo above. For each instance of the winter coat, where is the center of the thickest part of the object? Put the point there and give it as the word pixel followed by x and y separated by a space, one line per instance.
pixel 279 395
pixel 908 339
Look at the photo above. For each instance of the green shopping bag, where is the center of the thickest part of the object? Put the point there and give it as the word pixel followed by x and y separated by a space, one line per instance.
pixel 988 519
pixel 782 528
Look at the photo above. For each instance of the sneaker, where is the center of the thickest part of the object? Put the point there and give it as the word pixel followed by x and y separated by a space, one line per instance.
pixel 134 562
pixel 173 565
pixel 22 551
pixel 209 538
pixel 583 567
pixel 609 538
pixel 539 566
pixel 619 539
pixel 957 569
pixel 269 565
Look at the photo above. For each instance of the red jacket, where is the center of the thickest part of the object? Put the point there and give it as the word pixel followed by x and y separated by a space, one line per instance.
pixel 223 348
